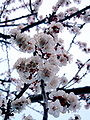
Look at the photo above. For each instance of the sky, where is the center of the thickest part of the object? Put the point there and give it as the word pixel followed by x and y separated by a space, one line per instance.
pixel 84 36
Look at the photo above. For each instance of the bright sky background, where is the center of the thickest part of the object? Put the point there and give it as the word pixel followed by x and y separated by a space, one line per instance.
pixel 69 70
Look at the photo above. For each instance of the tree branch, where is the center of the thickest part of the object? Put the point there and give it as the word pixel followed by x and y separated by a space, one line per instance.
pixel 26 86
pixel 17 18
pixel 45 100
pixel 4 36
pixel 33 24
pixel 76 91
pixel 5 42
pixel 43 21
pixel 74 14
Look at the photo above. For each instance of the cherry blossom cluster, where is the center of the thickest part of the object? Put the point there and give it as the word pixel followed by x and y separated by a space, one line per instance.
pixel 69 11
pixel 60 3
pixel 86 98
pixel 19 104
pixel 83 46
pixel 37 4
pixel 49 55
pixel 62 102
pixel 24 42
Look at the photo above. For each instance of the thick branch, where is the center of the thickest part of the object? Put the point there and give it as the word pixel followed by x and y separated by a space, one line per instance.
pixel 76 91
pixel 33 24
pixel 2 41
pixel 45 100
pixel 4 36
pixel 26 86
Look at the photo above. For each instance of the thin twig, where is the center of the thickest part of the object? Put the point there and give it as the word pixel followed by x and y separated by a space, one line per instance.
pixel 77 73
pixel 17 18
pixel 72 42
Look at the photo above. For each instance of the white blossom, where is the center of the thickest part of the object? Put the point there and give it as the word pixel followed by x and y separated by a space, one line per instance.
pixel 86 17
pixel 75 30
pixel 71 10
pixel 23 41
pixel 55 108
pixel 55 27
pixel 53 84
pixel 47 71
pixel 69 102
pixel 19 104
pixel 63 80
pixel 77 1
pixel 29 117
pixel 60 3
pixel 37 4
pixel 44 42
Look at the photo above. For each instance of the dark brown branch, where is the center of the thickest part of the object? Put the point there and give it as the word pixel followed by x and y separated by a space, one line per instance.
pixel 7 81
pixel 76 91
pixel 75 14
pixel 26 86
pixel 17 18
pixel 43 21
pixel 67 17
pixel 2 41
pixel 45 100
pixel 4 36
pixel 30 4
pixel 8 111
pixel 32 25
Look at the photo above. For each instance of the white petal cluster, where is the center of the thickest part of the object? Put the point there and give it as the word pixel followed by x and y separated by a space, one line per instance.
pixel 60 3
pixel 55 108
pixel 86 17
pixel 68 102
pixel 20 104
pixel 29 117
pixel 50 55
pixel 37 4
pixel 71 10
pixel 55 27
pixel 63 80
pixel 24 42
pixel 27 68
pixel 53 83
pixel 44 42
pixel 75 30
pixel 63 58
pixel 47 71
